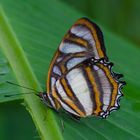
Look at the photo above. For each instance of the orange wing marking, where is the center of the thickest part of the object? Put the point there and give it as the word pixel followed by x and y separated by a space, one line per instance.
pixel 95 89
pixel 94 34
pixel 113 82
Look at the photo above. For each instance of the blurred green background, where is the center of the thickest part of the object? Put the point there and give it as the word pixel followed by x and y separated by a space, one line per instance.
pixel 122 17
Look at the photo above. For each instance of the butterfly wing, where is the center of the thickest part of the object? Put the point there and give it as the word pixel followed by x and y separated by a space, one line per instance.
pixel 89 89
pixel 87 37
pixel 83 41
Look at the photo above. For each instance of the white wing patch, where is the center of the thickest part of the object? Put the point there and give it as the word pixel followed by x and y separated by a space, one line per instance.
pixel 85 33
pixel 60 90
pixel 64 96
pixel 74 61
pixel 82 32
pixel 80 89
pixel 53 80
pixel 57 70
pixel 67 108
pixel 95 67
pixel 106 89
pixel 71 48
pixel 59 59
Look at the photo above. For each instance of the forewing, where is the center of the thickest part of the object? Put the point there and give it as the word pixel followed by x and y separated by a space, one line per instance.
pixel 85 36
pixel 83 41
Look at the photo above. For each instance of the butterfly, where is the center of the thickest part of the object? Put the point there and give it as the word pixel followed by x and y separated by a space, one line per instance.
pixel 80 78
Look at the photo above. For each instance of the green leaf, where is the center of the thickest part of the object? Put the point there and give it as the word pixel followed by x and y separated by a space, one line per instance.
pixel 19 63
pixel 6 74
pixel 39 27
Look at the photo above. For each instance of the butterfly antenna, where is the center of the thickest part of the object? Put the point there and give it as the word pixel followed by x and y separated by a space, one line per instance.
pixel 21 86
pixel 22 94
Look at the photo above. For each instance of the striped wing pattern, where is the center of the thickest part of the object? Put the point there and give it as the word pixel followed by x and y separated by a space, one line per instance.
pixel 80 78
pixel 89 89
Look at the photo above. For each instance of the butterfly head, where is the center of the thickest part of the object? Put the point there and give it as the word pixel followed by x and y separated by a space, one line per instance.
pixel 44 97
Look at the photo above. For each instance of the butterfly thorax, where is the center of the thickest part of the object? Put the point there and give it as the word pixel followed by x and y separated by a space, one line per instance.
pixel 46 98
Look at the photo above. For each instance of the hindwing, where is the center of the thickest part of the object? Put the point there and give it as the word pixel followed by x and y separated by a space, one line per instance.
pixel 89 88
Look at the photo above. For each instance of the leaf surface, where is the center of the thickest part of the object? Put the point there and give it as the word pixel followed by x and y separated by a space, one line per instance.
pixel 39 26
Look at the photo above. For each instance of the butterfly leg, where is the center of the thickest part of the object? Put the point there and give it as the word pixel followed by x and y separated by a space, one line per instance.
pixel 76 118
pixel 61 120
